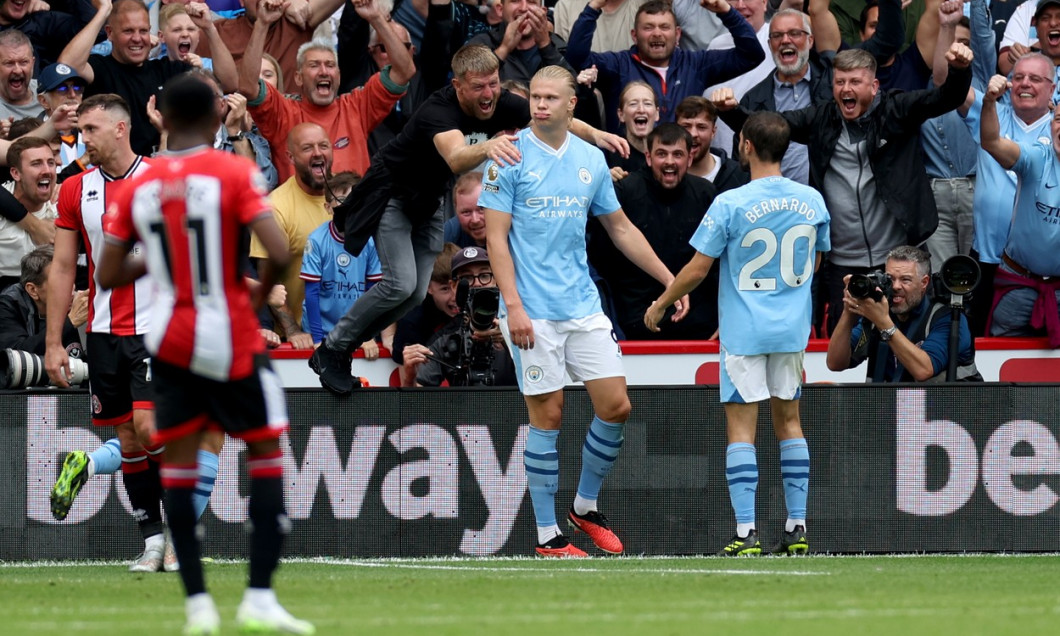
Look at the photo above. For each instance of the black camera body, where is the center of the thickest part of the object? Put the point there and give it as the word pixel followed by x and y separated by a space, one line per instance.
pixel 876 285
pixel 474 358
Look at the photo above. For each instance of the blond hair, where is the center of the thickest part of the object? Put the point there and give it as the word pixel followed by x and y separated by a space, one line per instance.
pixel 475 59
pixel 555 72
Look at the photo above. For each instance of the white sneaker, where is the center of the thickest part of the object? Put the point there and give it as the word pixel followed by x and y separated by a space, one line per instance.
pixel 261 612
pixel 169 557
pixel 149 561
pixel 203 619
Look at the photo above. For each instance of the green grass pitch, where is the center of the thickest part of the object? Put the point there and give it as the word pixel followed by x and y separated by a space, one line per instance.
pixel 818 595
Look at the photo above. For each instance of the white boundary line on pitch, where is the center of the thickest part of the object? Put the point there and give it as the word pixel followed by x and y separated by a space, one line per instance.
pixel 455 560
pixel 578 570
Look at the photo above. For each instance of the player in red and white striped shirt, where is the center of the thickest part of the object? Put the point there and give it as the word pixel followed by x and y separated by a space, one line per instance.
pixel 117 319
pixel 191 209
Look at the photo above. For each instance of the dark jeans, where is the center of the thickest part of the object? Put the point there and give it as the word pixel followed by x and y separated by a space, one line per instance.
pixel 406 254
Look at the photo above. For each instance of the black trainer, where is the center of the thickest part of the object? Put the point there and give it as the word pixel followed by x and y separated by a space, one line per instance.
pixel 793 543
pixel 334 369
pixel 742 546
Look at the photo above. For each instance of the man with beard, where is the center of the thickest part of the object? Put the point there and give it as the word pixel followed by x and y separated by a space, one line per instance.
pixel 18 98
pixel 33 170
pixel 802 78
pixel 865 154
pixel 699 117
pixel 666 205
pixel 128 72
pixel 655 58
pixel 904 334
pixel 349 119
pixel 117 322
pixel 300 207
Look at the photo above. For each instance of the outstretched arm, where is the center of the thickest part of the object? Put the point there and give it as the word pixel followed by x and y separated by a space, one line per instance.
pixel 690 276
pixel 1005 151
pixel 76 53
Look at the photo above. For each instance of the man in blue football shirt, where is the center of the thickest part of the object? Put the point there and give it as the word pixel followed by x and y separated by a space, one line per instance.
pixel 536 211
pixel 768 236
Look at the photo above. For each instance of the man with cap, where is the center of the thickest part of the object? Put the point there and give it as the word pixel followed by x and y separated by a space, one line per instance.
pixel 60 84
pixel 461 355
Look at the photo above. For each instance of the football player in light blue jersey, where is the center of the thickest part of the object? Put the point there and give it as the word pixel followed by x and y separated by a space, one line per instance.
pixel 769 236
pixel 536 211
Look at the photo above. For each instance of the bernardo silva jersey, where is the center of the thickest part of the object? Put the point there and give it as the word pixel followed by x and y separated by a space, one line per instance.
pixel 549 195
pixel 765 235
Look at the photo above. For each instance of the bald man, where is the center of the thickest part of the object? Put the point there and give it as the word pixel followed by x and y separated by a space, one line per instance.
pixel 299 209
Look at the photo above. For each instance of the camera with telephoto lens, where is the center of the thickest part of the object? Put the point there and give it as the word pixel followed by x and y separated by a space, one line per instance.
pixel 958 276
pixel 474 358
pixel 22 369
pixel 876 285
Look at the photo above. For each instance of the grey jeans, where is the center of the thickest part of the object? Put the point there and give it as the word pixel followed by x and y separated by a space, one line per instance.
pixel 406 254
pixel 953 198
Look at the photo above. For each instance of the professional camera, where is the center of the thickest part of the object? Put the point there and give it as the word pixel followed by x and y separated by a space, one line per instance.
pixel 875 285
pixel 21 369
pixel 958 276
pixel 481 307
pixel 478 305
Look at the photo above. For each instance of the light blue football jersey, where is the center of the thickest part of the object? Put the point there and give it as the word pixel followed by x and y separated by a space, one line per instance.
pixel 1035 229
pixel 766 236
pixel 343 278
pixel 549 194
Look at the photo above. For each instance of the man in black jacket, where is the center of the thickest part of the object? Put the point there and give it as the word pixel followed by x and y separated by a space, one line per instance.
pixel 22 308
pixel 864 149
pixel 803 77
pixel 667 205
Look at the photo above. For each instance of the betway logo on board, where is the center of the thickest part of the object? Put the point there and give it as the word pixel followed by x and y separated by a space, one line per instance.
pixel 345 473
pixel 1020 452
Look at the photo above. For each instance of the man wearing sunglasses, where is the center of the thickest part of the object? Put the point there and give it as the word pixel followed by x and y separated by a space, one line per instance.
pixel 60 84
pixel 460 355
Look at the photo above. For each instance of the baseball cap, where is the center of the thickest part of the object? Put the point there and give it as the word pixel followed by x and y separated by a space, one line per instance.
pixel 467 256
pixel 54 76
pixel 1042 4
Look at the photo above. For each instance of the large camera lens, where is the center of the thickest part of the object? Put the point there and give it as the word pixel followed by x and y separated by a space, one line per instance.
pixel 959 274
pixel 860 286
pixel 483 303
pixel 21 369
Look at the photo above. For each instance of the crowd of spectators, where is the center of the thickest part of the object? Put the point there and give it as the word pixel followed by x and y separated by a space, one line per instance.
pixel 885 123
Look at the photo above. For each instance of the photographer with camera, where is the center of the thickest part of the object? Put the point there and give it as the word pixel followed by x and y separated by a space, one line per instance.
pixel 23 307
pixel 890 319
pixel 469 351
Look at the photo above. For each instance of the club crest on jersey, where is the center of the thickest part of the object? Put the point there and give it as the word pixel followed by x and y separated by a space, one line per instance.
pixel 534 374
pixel 97 408
pixel 585 176
pixel 343 259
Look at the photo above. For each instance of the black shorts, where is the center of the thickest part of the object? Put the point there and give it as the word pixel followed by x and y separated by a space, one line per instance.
pixel 250 409
pixel 119 377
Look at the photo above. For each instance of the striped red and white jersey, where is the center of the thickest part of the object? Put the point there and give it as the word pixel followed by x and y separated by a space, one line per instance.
pixel 83 200
pixel 191 210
